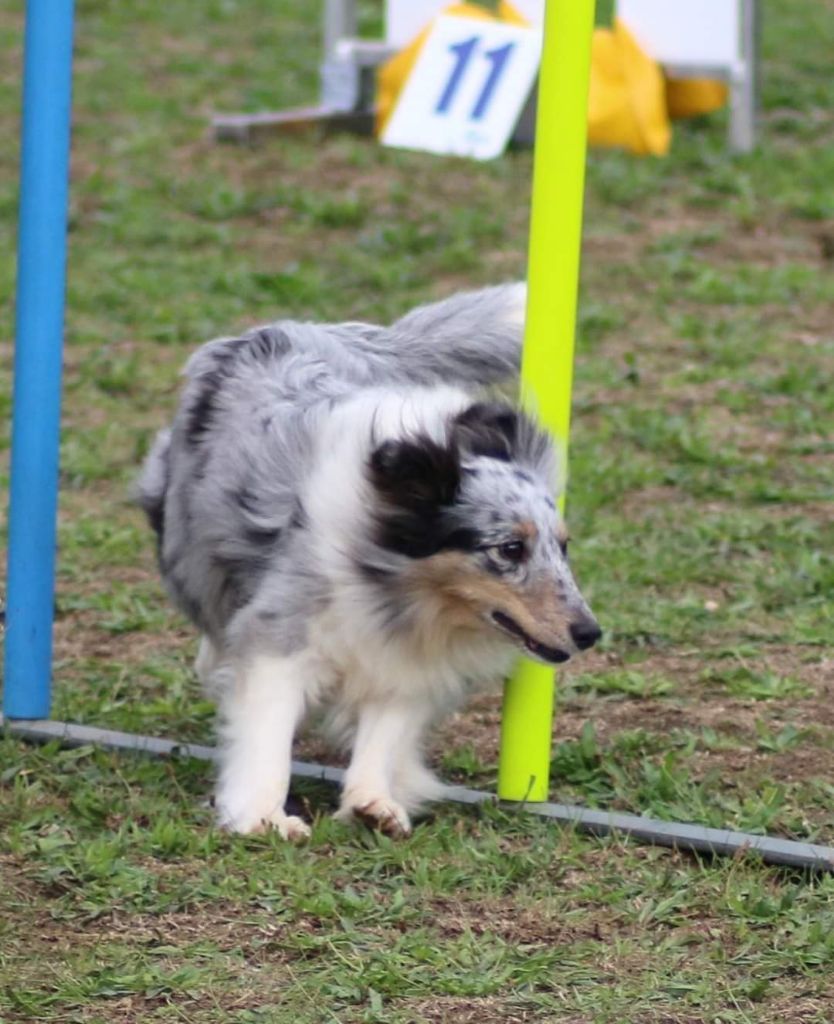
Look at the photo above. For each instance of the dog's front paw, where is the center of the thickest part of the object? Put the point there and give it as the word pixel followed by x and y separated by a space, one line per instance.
pixel 380 813
pixel 292 828
pixel 288 826
pixel 251 819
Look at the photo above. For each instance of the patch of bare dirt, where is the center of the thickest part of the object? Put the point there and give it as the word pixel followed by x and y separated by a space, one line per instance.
pixel 79 637
pixel 520 926
pixel 486 1010
pixel 606 247
pixel 770 243
pixel 645 502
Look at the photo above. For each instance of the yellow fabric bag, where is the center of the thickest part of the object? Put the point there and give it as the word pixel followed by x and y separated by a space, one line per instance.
pixel 627 98
pixel 689 97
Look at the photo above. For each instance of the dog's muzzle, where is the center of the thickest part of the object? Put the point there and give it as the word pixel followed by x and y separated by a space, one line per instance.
pixel 584 633
pixel 538 650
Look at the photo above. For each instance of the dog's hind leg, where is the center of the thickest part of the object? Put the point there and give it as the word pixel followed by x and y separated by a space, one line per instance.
pixel 387 736
pixel 261 710
pixel 413 783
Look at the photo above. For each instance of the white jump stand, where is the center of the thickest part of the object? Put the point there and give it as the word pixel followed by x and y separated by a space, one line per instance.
pixel 694 39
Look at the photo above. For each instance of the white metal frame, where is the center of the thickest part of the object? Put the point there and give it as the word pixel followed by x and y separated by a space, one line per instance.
pixel 740 72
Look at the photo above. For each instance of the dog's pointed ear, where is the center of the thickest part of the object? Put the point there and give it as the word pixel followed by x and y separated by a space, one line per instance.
pixel 415 474
pixel 488 428
pixel 499 431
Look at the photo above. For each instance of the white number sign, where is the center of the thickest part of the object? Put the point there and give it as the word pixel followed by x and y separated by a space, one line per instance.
pixel 467 88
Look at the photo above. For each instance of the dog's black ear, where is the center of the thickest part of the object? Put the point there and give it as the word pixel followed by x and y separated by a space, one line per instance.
pixel 499 431
pixel 488 428
pixel 417 474
pixel 418 481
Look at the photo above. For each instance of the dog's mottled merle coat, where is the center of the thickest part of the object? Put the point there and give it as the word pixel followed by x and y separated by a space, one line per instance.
pixel 352 526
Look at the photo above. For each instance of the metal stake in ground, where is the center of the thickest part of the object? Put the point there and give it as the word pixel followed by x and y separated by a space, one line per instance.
pixel 547 362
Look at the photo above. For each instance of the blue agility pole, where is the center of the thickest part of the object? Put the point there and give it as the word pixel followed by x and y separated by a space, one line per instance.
pixel 39 322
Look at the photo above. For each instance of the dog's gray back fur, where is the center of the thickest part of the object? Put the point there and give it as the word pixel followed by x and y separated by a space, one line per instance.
pixel 221 487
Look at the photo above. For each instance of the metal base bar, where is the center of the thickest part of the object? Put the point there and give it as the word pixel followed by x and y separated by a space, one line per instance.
pixel 693 838
pixel 252 127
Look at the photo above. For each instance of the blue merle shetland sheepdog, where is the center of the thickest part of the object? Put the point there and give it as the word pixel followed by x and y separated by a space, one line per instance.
pixel 352 526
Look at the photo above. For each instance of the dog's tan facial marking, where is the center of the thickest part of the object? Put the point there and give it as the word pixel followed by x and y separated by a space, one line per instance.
pixel 468 596
pixel 440 578
pixel 527 531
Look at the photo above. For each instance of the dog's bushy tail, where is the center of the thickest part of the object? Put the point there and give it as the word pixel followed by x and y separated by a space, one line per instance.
pixel 470 338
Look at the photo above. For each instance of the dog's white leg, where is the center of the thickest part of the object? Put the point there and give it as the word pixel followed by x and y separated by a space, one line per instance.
pixel 387 741
pixel 261 711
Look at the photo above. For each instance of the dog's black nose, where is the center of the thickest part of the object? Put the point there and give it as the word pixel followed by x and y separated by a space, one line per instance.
pixel 585 633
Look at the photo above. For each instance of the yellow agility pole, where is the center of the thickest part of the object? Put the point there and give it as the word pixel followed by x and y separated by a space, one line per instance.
pixel 547 362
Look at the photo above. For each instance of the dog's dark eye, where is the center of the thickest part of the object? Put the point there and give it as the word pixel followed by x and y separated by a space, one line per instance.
pixel 563 547
pixel 513 551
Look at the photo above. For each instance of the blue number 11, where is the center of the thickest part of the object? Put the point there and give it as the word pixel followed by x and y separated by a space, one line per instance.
pixel 463 53
pixel 499 58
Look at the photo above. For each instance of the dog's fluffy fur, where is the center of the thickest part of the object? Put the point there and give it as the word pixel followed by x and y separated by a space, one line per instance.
pixel 350 527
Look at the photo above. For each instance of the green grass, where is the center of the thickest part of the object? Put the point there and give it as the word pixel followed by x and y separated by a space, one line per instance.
pixel 700 508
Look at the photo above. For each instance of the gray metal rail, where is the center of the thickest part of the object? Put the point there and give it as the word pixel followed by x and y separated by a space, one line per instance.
pixel 681 836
